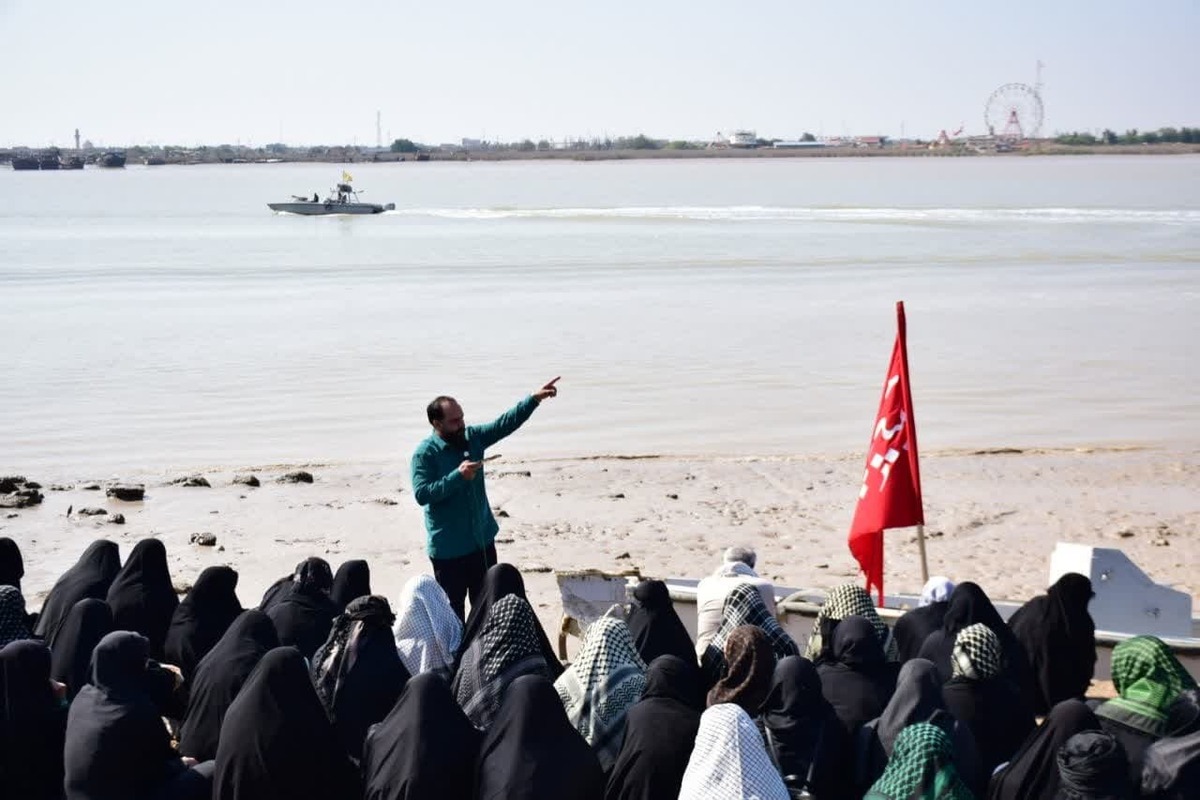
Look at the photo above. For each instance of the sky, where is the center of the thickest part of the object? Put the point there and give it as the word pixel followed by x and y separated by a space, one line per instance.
pixel 139 72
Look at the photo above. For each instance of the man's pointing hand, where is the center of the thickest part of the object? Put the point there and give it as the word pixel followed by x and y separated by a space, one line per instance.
pixel 549 390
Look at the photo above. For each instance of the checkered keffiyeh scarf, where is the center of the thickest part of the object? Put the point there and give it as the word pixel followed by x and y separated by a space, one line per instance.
pixel 730 761
pixel 745 606
pixel 976 654
pixel 506 648
pixel 922 765
pixel 597 689
pixel 845 601
pixel 1148 678
pixel 14 622
pixel 427 630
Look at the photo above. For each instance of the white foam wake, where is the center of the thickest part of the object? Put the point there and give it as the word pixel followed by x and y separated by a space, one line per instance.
pixel 823 214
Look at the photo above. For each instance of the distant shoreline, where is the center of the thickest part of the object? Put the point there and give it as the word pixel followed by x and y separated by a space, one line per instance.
pixel 346 156
pixel 808 152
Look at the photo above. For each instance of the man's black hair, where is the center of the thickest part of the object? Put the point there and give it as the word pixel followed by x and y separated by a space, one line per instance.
pixel 436 410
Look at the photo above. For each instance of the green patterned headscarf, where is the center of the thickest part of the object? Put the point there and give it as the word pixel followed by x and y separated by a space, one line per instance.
pixel 846 601
pixel 921 766
pixel 1148 678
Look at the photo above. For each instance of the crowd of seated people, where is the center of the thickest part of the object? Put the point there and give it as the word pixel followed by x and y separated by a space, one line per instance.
pixel 118 690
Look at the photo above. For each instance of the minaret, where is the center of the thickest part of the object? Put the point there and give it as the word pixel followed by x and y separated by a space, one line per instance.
pixel 77 140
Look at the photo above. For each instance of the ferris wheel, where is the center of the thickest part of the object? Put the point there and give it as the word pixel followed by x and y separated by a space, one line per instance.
pixel 1014 111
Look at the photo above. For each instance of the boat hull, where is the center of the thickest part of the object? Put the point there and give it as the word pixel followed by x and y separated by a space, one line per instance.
pixel 325 209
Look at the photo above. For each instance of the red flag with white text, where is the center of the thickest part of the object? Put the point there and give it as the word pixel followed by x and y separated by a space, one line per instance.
pixel 890 496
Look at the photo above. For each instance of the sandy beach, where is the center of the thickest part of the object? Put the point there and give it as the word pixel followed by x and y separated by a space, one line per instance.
pixel 993 516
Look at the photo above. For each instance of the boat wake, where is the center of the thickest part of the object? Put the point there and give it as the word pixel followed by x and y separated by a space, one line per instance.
pixel 898 216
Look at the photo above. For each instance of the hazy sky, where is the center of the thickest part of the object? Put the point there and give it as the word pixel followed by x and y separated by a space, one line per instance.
pixel 301 71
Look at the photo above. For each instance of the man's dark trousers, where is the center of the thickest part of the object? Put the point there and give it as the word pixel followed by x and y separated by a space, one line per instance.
pixel 463 576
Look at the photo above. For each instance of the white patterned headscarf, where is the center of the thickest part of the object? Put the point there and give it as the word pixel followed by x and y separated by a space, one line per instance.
pixel 937 590
pixel 729 761
pixel 976 654
pixel 601 684
pixel 427 630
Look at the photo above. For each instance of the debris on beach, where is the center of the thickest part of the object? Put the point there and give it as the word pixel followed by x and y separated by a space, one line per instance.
pixel 515 473
pixel 192 480
pixel 131 492
pixel 116 519
pixel 536 567
pixel 299 476
pixel 246 480
pixel 204 539
pixel 92 511
pixel 17 492
pixel 90 487
pixel 10 483
pixel 387 501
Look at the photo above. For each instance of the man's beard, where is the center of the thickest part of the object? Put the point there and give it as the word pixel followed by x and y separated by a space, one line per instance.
pixel 457 440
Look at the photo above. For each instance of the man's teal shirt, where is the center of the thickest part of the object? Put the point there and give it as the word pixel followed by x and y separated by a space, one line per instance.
pixel 458 518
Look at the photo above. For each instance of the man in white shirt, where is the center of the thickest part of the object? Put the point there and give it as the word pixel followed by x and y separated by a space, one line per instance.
pixel 738 567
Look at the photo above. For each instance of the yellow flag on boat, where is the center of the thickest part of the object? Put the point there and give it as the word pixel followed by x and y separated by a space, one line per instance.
pixel 347 177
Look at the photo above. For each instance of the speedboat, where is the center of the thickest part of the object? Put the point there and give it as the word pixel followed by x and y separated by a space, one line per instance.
pixel 343 200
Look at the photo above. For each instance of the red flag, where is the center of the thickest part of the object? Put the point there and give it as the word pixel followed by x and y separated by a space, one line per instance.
pixel 890 496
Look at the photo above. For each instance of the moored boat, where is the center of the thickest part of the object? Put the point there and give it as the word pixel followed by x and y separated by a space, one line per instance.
pixel 48 160
pixel 112 159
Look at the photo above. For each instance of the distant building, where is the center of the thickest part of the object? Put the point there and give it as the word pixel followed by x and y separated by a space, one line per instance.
pixel 473 144
pixel 743 139
pixel 870 141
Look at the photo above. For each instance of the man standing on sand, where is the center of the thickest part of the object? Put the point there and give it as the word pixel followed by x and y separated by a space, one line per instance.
pixel 447 479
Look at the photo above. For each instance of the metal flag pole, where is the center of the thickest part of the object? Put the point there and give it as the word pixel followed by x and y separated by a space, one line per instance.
pixel 921 547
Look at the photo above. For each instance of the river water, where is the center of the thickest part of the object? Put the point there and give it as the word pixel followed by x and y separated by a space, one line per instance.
pixel 162 318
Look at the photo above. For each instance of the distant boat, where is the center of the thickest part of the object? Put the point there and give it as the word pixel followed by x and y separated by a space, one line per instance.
pixel 111 159
pixel 343 200
pixel 51 159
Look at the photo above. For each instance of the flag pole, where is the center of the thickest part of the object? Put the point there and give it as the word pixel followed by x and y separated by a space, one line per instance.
pixel 921 547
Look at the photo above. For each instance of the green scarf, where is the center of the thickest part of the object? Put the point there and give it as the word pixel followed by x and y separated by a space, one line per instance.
pixel 921 766
pixel 1148 678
